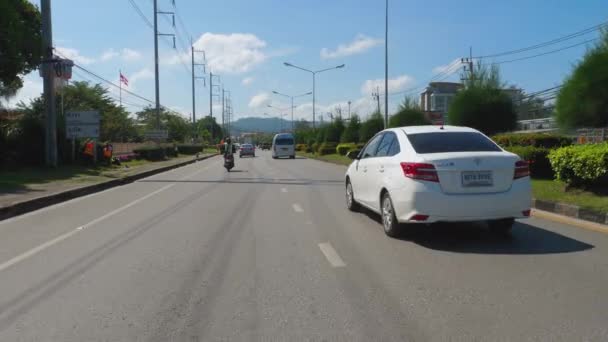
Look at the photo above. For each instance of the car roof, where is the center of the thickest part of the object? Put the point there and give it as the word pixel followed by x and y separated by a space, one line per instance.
pixel 433 128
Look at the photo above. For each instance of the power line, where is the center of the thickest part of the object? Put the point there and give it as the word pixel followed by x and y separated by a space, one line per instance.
pixel 546 53
pixel 547 43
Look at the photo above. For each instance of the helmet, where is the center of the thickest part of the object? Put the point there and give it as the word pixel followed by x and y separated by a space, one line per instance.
pixel 228 140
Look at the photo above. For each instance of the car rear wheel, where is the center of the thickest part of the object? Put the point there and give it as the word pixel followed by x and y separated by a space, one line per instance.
pixel 389 219
pixel 501 227
pixel 292 157
pixel 351 204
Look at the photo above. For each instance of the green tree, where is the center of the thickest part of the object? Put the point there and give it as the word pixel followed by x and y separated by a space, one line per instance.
pixel 215 130
pixel 334 130
pixel 351 132
pixel 482 104
pixel 583 99
pixel 20 43
pixel 371 126
pixel 179 129
pixel 408 114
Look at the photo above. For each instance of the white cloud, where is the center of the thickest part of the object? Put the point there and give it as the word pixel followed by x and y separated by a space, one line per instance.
pixel 247 81
pixel 32 88
pixel 360 44
pixel 259 101
pixel 74 55
pixel 456 63
pixel 232 53
pixel 394 84
pixel 108 54
pixel 143 74
pixel 130 55
pixel 126 54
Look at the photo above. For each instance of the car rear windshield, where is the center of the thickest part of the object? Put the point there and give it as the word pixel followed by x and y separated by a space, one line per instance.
pixel 284 141
pixel 440 142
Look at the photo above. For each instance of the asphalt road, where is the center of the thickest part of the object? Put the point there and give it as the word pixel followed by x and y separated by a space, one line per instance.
pixel 269 252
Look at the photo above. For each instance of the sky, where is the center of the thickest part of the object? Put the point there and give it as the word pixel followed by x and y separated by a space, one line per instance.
pixel 246 43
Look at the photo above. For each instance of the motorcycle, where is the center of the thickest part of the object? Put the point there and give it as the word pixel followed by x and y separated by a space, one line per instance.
pixel 229 162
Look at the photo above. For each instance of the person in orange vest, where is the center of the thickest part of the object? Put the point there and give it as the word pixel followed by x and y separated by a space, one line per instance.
pixel 107 152
pixel 88 150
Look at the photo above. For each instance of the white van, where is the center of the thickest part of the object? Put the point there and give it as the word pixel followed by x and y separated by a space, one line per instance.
pixel 283 145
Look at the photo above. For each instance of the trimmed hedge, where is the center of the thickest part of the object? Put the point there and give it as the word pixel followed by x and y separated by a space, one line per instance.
pixel 170 150
pixel 581 165
pixel 343 148
pixel 189 149
pixel 327 148
pixel 540 167
pixel 545 140
pixel 151 152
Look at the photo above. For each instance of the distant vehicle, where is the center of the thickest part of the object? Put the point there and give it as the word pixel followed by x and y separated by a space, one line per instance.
pixel 247 150
pixel 425 174
pixel 265 146
pixel 283 145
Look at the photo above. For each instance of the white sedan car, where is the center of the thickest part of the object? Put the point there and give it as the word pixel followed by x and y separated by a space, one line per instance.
pixel 426 174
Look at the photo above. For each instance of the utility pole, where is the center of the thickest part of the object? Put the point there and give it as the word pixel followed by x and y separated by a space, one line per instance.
pixel 49 80
pixel 223 109
pixel 156 82
pixel 349 110
pixel 386 68
pixel 194 78
pixel 376 96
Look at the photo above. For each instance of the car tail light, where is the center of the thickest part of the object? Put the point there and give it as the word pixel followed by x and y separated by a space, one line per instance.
pixel 522 169
pixel 420 171
pixel 419 217
pixel 526 213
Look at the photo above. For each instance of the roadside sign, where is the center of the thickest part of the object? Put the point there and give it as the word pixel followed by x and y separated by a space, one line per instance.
pixel 83 124
pixel 157 134
pixel 82 118
pixel 89 131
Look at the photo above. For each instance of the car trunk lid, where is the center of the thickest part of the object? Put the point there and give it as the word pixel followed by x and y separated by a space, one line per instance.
pixel 473 172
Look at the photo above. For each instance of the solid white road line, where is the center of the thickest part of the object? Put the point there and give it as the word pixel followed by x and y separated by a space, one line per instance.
pixel 60 238
pixel 283 189
pixel 297 208
pixel 331 255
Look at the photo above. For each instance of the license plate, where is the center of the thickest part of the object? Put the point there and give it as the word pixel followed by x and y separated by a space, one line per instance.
pixel 284 149
pixel 477 178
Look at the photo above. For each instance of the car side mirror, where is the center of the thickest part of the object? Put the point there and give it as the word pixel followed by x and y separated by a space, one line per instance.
pixel 354 154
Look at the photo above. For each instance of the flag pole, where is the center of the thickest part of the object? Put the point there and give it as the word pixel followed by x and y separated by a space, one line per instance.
pixel 120 84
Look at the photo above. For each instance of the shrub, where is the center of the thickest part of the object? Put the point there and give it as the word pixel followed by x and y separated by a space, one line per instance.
pixel 301 147
pixel 537 157
pixel 170 150
pixel 545 140
pixel 342 149
pixel 315 147
pixel 581 165
pixel 150 152
pixel 189 148
pixel 327 148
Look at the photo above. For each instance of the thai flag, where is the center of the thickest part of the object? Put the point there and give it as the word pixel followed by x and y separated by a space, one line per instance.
pixel 124 80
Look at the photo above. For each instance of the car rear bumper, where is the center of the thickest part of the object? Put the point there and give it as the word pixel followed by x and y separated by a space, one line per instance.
pixel 514 203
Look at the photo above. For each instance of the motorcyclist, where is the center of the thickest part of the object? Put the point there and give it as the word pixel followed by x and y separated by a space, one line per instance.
pixel 228 154
pixel 228 149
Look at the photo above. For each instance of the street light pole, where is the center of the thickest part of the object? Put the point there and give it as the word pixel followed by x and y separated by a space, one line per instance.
pixel 314 73
pixel 292 106
pixel 386 68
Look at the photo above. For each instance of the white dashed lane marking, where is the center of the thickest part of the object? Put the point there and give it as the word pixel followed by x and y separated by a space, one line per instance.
pixel 331 255
pixel 297 208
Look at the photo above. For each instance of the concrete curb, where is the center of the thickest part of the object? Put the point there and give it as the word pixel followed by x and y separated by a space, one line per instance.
pixel 571 211
pixel 45 201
